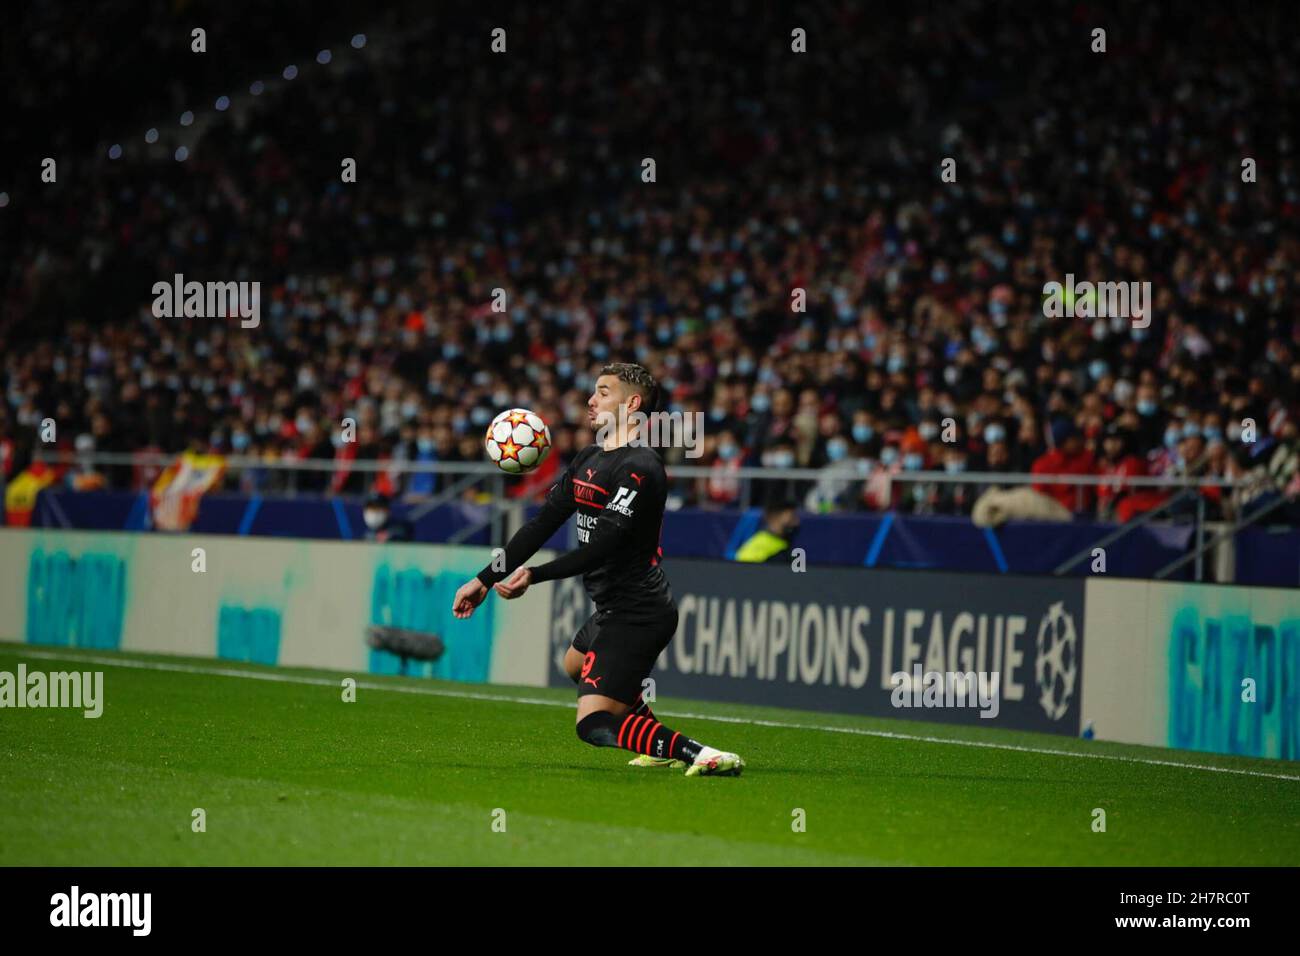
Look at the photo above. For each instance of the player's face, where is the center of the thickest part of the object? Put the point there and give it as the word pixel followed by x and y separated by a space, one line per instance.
pixel 605 399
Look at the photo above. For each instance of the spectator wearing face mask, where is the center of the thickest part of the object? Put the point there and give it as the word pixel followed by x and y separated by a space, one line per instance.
pixel 381 524
pixel 879 491
pixel 425 452
pixel 255 480
pixel 1164 460
pixel 719 418
pixel 758 420
pixel 1147 406
pixel 916 497
pixel 781 454
pixel 845 467
pixel 862 431
pixel 954 498
pixel 1189 453
pixel 1193 461
pixel 1236 254
pixel 928 429
pixel 995 433
pixel 1212 428
pixel 721 488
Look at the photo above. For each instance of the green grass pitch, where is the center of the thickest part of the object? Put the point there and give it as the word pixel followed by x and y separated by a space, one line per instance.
pixel 412 772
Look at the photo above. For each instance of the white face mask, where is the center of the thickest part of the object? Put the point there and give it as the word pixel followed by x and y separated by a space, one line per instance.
pixel 374 518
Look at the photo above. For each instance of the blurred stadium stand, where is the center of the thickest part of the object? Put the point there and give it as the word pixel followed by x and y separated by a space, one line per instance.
pixel 775 171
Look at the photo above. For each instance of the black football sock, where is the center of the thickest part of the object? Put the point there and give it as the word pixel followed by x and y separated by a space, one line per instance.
pixel 643 735
pixel 641 708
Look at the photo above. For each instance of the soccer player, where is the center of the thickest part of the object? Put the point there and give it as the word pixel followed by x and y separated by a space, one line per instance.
pixel 616 490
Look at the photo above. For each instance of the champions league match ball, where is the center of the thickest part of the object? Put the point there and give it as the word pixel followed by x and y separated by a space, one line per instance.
pixel 518 441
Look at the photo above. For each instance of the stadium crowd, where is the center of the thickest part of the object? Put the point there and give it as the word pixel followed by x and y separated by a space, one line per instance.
pixel 924 344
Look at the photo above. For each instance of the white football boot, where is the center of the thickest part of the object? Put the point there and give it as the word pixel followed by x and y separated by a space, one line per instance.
pixel 715 763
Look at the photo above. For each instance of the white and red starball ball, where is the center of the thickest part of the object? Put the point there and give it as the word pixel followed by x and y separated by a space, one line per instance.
pixel 518 441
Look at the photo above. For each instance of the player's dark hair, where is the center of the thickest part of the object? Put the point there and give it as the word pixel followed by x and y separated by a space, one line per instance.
pixel 639 379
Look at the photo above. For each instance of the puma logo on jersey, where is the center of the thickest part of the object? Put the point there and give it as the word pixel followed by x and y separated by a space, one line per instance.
pixel 637 477
pixel 622 501
pixel 590 473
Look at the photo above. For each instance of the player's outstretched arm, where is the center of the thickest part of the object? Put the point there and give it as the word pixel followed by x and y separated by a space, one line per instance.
pixel 610 534
pixel 603 544
pixel 515 585
pixel 524 543
pixel 468 597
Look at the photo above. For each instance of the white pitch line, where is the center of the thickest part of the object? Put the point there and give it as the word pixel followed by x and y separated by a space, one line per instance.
pixel 24 651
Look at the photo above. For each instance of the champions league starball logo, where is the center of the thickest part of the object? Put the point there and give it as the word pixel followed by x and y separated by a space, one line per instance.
pixel 1058 660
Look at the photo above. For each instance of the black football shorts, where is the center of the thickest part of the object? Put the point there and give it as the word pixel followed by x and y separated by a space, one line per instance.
pixel 618 654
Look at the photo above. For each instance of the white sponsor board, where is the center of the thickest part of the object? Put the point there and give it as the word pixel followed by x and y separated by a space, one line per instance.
pixel 1194 666
pixel 283 601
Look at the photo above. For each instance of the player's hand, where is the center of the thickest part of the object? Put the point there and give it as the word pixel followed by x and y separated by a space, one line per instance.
pixel 470 596
pixel 515 585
